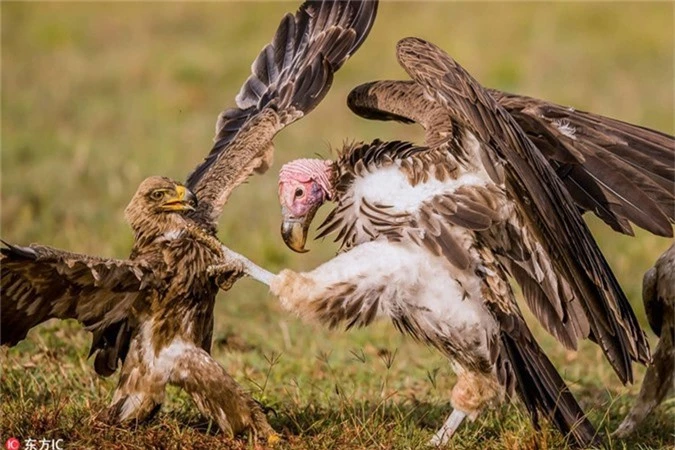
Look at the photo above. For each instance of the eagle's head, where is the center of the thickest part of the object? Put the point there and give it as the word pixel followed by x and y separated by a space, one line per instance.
pixel 304 185
pixel 159 202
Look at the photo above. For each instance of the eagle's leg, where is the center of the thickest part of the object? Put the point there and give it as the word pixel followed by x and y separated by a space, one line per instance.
pixel 140 391
pixel 658 381
pixel 218 396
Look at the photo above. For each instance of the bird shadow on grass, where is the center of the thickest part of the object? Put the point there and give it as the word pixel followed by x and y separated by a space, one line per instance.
pixel 412 423
pixel 369 424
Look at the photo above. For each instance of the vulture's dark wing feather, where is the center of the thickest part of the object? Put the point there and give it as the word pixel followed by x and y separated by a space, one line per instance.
pixel 40 283
pixel 289 78
pixel 631 168
pixel 621 172
pixel 540 196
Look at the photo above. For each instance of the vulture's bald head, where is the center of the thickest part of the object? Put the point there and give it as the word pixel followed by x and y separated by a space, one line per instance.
pixel 158 203
pixel 304 185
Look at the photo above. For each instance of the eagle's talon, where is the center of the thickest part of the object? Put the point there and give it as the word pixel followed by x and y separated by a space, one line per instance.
pixel 273 439
pixel 266 409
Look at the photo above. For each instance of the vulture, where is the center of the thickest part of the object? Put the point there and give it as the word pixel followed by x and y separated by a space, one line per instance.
pixel 430 234
pixel 658 295
pixel 153 312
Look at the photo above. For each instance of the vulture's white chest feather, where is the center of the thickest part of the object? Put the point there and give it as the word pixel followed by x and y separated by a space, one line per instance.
pixel 390 186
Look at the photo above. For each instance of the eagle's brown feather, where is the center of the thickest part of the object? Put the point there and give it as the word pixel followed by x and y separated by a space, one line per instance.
pixel 40 283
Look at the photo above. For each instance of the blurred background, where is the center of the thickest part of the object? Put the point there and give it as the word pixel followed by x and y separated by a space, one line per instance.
pixel 98 96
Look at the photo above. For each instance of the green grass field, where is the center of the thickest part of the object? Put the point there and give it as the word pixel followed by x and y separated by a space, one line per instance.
pixel 95 97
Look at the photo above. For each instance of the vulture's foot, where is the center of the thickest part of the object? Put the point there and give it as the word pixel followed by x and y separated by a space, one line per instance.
pixel 470 395
pixel 444 434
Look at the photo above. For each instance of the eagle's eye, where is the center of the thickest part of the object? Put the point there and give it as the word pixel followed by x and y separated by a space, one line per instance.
pixel 157 195
pixel 299 192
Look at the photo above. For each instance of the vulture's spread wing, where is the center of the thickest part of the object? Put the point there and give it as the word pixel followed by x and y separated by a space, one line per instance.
pixel 290 77
pixel 621 172
pixel 541 198
pixel 41 283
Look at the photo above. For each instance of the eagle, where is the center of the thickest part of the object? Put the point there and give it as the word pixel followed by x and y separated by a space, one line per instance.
pixel 430 234
pixel 153 312
pixel 658 295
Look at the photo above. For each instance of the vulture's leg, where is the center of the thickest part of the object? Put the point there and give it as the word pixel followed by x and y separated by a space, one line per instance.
pixel 356 287
pixel 658 381
pixel 140 390
pixel 455 321
pixel 217 394
pixel 235 260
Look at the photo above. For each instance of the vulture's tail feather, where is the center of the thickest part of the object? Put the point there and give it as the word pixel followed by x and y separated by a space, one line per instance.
pixel 543 390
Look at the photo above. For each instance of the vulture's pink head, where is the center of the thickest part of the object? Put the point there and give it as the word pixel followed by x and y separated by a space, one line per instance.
pixel 304 185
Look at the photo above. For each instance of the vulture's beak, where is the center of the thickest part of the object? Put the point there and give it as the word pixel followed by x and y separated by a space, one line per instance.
pixel 184 200
pixel 294 229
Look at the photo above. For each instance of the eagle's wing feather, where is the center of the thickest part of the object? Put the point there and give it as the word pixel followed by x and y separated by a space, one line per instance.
pixel 289 78
pixel 541 197
pixel 40 283
pixel 619 171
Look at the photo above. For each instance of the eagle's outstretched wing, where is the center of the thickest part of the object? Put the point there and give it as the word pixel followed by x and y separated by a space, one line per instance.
pixel 290 77
pixel 621 172
pixel 541 197
pixel 40 283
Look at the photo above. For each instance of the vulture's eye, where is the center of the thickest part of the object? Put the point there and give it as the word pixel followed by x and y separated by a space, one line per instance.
pixel 157 195
pixel 299 192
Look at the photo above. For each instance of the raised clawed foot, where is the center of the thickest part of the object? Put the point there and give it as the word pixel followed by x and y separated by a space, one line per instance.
pixel 444 434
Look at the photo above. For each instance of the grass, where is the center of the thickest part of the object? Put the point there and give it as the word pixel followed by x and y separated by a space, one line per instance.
pixel 95 97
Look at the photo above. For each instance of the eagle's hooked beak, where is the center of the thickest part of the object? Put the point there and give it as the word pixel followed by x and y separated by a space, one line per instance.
pixel 184 200
pixel 294 230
